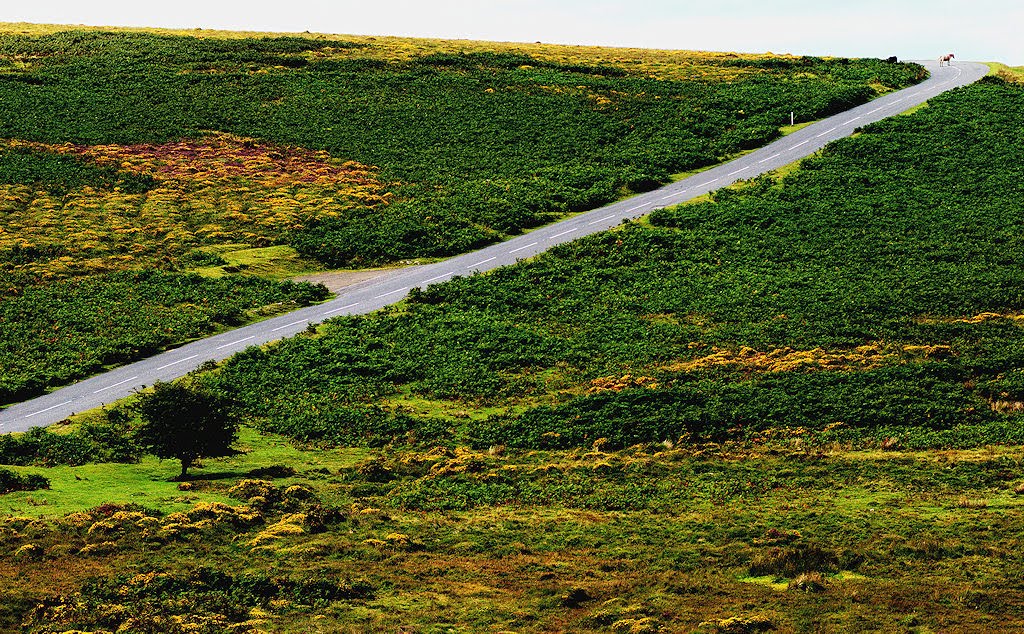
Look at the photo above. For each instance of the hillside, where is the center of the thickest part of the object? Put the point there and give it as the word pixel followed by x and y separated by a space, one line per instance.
pixel 792 407
pixel 877 288
pixel 134 150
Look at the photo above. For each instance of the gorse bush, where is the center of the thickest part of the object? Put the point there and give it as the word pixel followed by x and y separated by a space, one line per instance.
pixel 204 600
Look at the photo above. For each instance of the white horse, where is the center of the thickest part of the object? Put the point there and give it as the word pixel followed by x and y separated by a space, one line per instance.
pixel 946 58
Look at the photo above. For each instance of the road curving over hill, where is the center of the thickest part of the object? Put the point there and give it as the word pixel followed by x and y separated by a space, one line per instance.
pixel 374 294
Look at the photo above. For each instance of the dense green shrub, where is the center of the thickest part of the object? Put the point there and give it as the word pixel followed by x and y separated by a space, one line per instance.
pixel 873 244
pixel 55 333
pixel 892 397
pixel 98 442
pixel 60 174
pixel 11 481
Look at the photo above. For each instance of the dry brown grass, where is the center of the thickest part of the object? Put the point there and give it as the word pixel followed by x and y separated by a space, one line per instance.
pixel 1006 406
pixel 965 502
pixel 221 189
pixel 786 359
pixel 973 319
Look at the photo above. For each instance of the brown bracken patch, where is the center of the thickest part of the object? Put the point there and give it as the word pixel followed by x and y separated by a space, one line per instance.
pixel 787 359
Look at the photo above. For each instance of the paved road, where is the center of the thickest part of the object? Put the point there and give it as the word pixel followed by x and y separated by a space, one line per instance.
pixel 372 295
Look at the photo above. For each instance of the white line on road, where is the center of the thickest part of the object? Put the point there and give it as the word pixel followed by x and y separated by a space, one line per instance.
pixel 338 310
pixel 48 409
pixel 707 183
pixel 874 111
pixel 742 169
pixel 800 143
pixel 103 389
pixel 632 209
pixel 532 244
pixel 235 343
pixel 294 323
pixel 483 262
pixel 672 195
pixel 773 156
pixel 164 367
pixel 828 131
pixel 564 233
pixel 606 218
pixel 397 290
pixel 852 120
pixel 434 279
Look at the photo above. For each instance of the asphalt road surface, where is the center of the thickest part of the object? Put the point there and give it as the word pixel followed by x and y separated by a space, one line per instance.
pixel 374 294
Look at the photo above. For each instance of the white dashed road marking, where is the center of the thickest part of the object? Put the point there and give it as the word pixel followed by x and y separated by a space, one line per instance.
pixel 104 389
pixel 43 411
pixel 164 367
pixel 338 310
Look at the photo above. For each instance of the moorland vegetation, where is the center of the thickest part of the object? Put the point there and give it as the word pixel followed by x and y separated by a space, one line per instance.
pixel 132 150
pixel 792 407
pixel 875 291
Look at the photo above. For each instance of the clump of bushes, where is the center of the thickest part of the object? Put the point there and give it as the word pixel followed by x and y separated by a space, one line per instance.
pixel 201 600
pixel 808 582
pixel 100 442
pixel 11 481
pixel 792 561
pixel 264 495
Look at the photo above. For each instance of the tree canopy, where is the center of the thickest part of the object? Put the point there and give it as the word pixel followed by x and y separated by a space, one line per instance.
pixel 185 422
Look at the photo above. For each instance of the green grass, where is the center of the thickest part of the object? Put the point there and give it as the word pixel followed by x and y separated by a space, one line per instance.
pixel 917 108
pixel 276 262
pixel 790 129
pixel 150 483
pixel 1009 73
pixel 769 581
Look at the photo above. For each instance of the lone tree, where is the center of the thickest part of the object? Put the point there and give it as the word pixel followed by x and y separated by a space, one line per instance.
pixel 185 422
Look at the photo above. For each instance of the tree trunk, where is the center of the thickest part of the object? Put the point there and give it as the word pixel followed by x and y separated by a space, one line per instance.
pixel 185 464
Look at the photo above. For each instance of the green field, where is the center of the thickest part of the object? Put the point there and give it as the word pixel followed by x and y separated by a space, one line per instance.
pixel 472 146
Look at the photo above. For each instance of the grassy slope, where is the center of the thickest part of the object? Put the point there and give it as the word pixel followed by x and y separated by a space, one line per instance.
pixel 791 528
pixel 1009 73
pixel 697 537
pixel 547 541
pixel 872 288
pixel 223 153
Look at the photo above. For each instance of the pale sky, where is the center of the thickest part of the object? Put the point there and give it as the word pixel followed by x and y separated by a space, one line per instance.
pixel 981 30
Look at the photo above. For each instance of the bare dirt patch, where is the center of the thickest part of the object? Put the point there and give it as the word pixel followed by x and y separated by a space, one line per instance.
pixel 338 280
